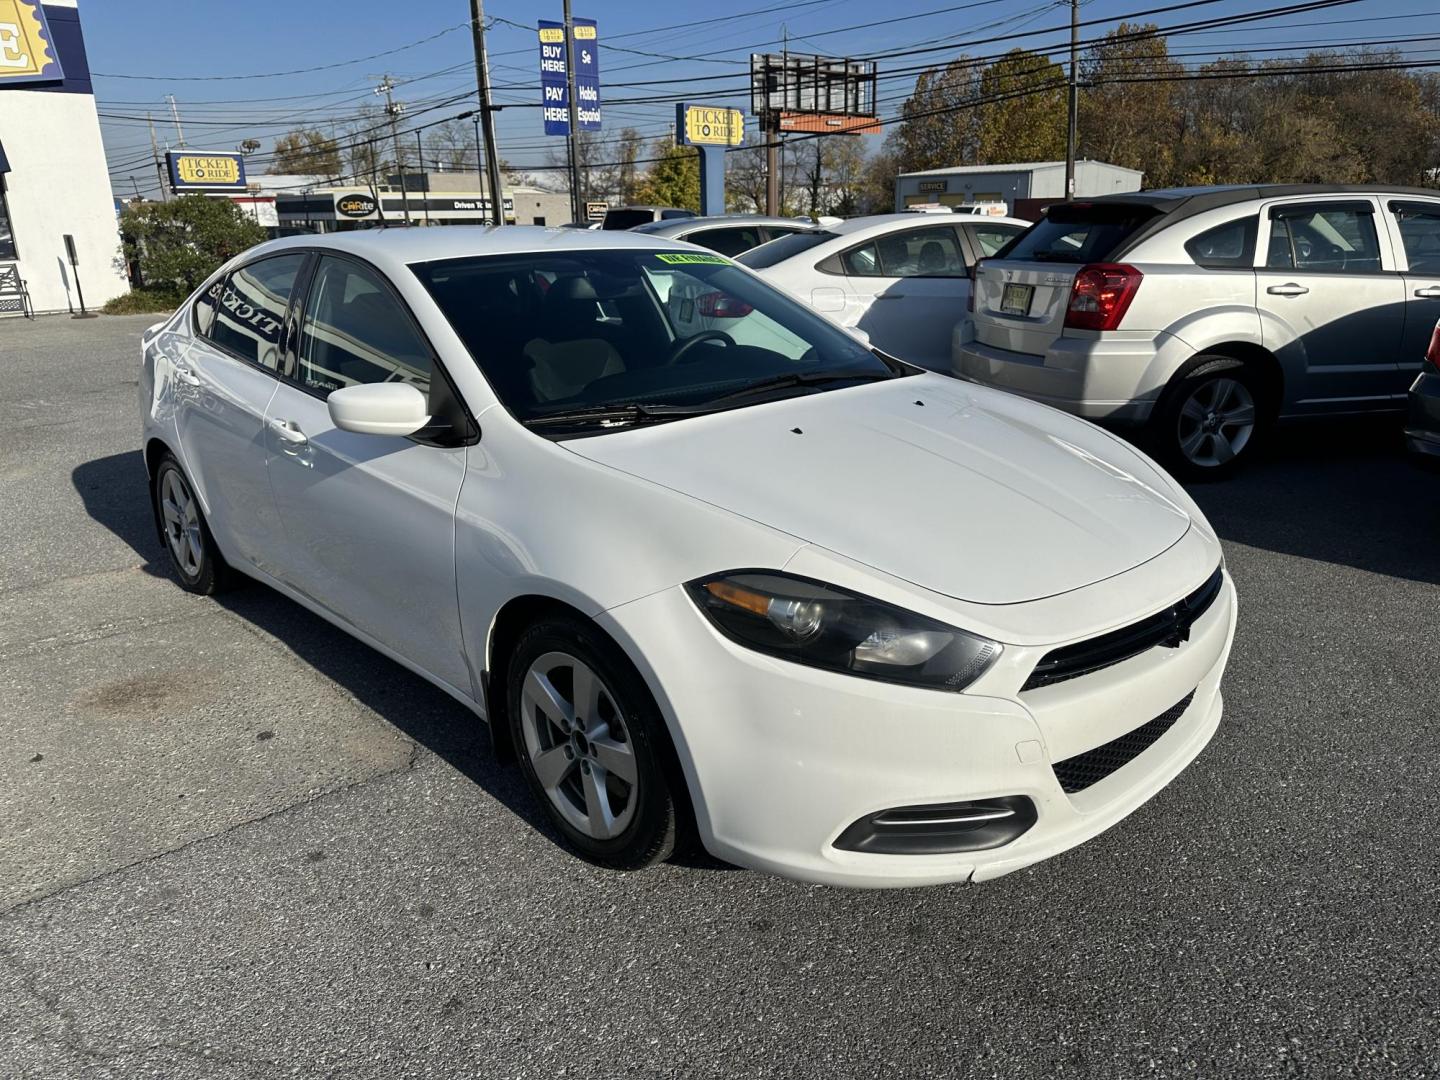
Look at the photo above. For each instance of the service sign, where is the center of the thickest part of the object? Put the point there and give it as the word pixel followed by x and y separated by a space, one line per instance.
pixel 206 172
pixel 555 95
pixel 708 125
pixel 27 50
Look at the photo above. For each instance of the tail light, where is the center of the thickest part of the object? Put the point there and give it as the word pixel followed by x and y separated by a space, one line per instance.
pixel 974 284
pixel 1432 354
pixel 717 305
pixel 1101 295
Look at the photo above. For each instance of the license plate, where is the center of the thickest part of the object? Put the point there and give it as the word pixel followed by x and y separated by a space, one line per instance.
pixel 1015 300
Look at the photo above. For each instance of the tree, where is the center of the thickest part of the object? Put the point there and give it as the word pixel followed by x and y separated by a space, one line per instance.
pixel 629 146
pixel 674 179
pixel 940 126
pixel 178 244
pixel 451 145
pixel 1023 117
pixel 306 152
pixel 1129 108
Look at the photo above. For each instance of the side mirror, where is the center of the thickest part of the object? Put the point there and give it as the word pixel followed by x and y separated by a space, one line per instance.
pixel 378 409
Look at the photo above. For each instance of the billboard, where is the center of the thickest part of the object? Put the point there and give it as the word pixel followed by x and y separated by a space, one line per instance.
pixel 794 92
pixel 708 125
pixel 206 172
pixel 27 49
pixel 554 94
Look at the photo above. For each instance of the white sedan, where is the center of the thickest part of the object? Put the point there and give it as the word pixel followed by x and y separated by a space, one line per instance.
pixel 904 279
pixel 836 618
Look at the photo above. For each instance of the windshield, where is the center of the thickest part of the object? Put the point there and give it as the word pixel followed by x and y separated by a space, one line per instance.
pixel 561 332
pixel 1078 233
pixel 785 247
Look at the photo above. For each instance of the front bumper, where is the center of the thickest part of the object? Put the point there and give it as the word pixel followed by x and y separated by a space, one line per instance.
pixel 781 758
pixel 1422 420
pixel 1111 377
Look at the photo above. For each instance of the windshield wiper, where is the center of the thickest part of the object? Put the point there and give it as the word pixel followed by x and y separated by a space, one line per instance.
pixel 800 378
pixel 620 414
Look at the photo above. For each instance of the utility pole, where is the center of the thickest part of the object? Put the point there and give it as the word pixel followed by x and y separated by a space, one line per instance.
pixel 394 108
pixel 155 154
pixel 175 115
pixel 487 112
pixel 1074 103
pixel 424 176
pixel 577 205
pixel 479 156
pixel 136 185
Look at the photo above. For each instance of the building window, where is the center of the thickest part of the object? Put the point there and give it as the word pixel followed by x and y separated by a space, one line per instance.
pixel 539 219
pixel 7 234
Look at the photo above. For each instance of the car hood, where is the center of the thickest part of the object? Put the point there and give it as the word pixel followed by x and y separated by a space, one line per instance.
pixel 966 491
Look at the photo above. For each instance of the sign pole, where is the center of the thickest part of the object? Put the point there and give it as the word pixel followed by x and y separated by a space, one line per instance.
pixel 772 166
pixel 577 203
pixel 1073 102
pixel 711 129
pixel 75 270
pixel 487 111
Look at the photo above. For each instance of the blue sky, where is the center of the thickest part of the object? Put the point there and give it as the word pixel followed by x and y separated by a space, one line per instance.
pixel 180 49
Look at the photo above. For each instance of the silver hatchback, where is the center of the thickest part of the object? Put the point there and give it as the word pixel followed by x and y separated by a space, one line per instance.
pixel 1205 314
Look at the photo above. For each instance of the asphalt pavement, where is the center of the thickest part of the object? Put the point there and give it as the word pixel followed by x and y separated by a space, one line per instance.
pixel 236 843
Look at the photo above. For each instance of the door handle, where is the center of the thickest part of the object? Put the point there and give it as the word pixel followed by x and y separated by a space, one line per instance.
pixel 1431 292
pixel 287 431
pixel 186 376
pixel 1288 289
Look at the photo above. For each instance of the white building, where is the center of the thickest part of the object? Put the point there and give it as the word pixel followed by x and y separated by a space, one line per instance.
pixel 1011 184
pixel 53 176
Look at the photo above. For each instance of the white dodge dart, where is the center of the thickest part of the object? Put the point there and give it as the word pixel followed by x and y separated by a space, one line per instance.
pixel 707 564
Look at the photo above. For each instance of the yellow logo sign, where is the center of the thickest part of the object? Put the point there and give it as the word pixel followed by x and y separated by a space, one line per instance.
pixel 25 51
pixel 552 35
pixel 707 126
pixel 193 169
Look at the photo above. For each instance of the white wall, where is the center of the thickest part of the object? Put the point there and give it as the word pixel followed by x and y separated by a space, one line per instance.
pixel 58 183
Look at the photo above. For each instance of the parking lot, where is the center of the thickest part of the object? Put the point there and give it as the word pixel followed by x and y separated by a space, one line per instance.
pixel 237 843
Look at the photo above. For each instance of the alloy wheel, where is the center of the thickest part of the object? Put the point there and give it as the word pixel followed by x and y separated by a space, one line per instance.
pixel 1216 422
pixel 578 745
pixel 181 516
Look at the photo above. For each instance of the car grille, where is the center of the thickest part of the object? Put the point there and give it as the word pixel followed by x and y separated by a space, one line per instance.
pixel 1170 627
pixel 1082 770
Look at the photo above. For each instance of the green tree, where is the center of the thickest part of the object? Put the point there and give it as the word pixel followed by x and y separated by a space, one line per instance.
pixel 1023 118
pixel 939 126
pixel 306 152
pixel 674 179
pixel 1130 103
pixel 178 244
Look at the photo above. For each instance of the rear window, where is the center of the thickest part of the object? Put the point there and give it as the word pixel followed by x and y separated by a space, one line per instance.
pixel 777 251
pixel 627 219
pixel 1079 233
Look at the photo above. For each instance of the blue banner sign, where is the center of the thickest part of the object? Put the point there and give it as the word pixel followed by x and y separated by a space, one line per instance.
pixel 555 96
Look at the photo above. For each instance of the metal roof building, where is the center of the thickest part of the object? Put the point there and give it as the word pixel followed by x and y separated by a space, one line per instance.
pixel 1011 184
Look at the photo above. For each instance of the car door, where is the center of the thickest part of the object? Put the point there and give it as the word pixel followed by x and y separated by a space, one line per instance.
pixel 911 287
pixel 221 393
pixel 1331 305
pixel 369 520
pixel 1417 236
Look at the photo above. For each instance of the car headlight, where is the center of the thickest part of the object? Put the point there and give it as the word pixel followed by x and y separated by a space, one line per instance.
pixel 822 626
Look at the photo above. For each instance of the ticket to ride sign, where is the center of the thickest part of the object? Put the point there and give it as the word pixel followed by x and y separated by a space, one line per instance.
pixel 206 172
pixel 27 51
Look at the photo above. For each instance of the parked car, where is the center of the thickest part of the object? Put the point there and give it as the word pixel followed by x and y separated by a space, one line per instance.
pixel 901 278
pixel 729 234
pixel 1205 314
pixel 1422 425
pixel 859 624
pixel 627 217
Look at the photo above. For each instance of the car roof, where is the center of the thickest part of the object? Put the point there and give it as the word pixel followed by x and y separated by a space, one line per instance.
pixel 878 224
pixel 1193 200
pixel 672 226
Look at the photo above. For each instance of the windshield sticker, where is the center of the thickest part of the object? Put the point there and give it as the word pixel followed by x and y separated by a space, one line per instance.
pixel 679 259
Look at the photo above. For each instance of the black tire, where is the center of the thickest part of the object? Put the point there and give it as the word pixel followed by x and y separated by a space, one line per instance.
pixel 208 573
pixel 1219 453
pixel 655 823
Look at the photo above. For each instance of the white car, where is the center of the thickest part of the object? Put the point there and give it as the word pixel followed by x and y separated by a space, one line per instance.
pixel 844 620
pixel 904 279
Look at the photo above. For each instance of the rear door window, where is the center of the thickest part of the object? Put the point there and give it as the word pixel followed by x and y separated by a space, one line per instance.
pixel 1334 238
pixel 1420 234
pixel 1080 232
pixel 250 310
pixel 924 252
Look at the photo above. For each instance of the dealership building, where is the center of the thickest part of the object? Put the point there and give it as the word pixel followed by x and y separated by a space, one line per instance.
pixel 54 181
pixel 430 198
pixel 1019 186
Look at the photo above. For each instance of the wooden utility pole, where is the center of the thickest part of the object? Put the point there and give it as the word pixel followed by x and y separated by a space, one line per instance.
pixel 487 112
pixel 394 109
pixel 577 204
pixel 1074 100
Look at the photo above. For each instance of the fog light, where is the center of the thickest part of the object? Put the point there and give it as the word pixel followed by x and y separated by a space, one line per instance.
pixel 940 828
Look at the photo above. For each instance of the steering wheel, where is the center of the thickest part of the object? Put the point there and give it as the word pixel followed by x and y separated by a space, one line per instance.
pixel 690 342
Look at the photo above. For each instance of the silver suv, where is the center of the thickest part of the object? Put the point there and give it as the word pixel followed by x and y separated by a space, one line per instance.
pixel 1207 313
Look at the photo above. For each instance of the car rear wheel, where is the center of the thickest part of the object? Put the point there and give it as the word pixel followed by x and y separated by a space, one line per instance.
pixel 592 745
pixel 197 561
pixel 1209 419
